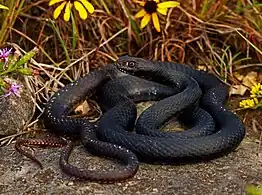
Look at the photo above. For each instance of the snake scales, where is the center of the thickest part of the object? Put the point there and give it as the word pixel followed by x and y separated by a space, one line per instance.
pixel 196 97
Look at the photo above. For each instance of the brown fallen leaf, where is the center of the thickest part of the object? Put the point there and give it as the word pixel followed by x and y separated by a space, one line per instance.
pixel 250 79
pixel 82 109
pixel 237 90
pixel 247 82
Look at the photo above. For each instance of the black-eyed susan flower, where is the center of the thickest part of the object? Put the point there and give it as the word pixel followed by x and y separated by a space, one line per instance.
pixel 150 10
pixel 255 94
pixel 3 7
pixel 256 90
pixel 82 6
pixel 248 103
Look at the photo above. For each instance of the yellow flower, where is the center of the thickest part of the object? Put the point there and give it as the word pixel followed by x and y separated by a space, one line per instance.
pixel 248 103
pixel 82 6
pixel 150 10
pixel 3 7
pixel 256 90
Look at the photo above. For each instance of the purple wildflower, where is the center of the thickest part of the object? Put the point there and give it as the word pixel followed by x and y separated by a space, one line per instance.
pixel 13 89
pixel 4 54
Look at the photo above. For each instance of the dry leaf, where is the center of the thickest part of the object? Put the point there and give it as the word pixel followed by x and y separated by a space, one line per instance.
pixel 250 79
pixel 238 90
pixel 238 76
pixel 202 67
pixel 247 82
pixel 83 108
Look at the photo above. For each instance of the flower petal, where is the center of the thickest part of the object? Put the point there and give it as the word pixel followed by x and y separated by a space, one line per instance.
pixel 156 22
pixel 67 12
pixel 140 14
pixel 52 2
pixel 3 7
pixel 145 20
pixel 58 10
pixel 90 8
pixel 81 10
pixel 168 4
pixel 157 1
pixel 140 3
pixel 162 10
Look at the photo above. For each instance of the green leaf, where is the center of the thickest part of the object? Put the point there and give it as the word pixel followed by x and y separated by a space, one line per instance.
pixel 12 60
pixel 1 66
pixel 3 86
pixel 74 34
pixel 253 190
pixel 2 82
pixel 26 57
pixel 25 71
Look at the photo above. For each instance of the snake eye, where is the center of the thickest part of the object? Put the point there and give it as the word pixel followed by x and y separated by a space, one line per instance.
pixel 131 64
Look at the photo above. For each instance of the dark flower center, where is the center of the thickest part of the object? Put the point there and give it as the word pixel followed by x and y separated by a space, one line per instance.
pixel 150 7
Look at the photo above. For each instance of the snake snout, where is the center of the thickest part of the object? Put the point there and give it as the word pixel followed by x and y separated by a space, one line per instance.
pixel 125 67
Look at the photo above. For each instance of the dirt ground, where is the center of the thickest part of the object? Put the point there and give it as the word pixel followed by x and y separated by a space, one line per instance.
pixel 226 175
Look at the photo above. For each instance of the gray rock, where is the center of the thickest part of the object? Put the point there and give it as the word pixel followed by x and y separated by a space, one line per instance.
pixel 224 176
pixel 15 111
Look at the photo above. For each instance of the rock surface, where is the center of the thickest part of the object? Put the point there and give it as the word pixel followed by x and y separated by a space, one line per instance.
pixel 227 175
pixel 15 111
pixel 224 176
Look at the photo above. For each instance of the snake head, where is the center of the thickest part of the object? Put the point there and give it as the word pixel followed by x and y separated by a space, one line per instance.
pixel 135 66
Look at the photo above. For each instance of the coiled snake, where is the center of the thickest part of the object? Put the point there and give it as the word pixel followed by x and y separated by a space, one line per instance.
pixel 197 97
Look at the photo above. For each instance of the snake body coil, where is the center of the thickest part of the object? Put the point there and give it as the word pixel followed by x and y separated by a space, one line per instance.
pixel 215 132
pixel 230 130
pixel 56 119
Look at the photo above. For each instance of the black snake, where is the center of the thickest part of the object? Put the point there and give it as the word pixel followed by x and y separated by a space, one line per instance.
pixel 229 129
pixel 113 137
